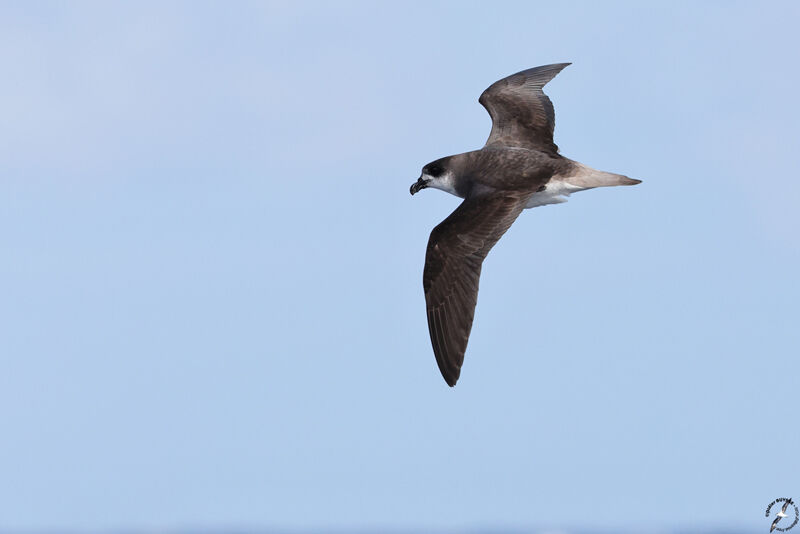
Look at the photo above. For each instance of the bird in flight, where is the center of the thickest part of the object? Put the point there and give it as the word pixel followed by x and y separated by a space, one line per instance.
pixel 781 514
pixel 518 168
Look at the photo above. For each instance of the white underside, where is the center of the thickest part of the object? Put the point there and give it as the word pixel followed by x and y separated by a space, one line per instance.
pixel 556 192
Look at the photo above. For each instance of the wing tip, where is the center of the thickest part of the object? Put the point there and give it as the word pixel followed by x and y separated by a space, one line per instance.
pixel 450 372
pixel 450 380
pixel 449 369
pixel 541 75
pixel 549 71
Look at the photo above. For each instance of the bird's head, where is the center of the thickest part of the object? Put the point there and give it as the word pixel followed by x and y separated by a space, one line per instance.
pixel 434 174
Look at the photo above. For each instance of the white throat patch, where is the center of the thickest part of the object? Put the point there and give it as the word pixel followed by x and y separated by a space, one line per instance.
pixel 444 182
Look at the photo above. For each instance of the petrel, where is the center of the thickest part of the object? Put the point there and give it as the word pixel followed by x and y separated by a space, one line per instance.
pixel 519 167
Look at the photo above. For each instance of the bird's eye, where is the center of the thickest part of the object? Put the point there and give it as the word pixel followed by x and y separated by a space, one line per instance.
pixel 433 170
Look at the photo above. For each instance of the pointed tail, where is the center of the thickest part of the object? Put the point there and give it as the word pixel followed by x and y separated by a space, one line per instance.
pixel 586 177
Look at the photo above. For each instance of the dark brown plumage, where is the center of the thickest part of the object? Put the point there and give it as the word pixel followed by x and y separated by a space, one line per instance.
pixel 518 168
pixel 456 250
pixel 522 115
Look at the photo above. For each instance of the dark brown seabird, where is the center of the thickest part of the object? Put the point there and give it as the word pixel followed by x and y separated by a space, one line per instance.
pixel 518 168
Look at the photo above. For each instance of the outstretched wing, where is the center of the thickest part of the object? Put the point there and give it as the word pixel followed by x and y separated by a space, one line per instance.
pixel 522 115
pixel 456 250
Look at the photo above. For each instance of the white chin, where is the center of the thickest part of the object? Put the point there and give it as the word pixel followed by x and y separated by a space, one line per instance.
pixel 444 182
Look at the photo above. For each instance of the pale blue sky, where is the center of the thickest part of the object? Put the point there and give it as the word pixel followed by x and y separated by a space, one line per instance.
pixel 211 310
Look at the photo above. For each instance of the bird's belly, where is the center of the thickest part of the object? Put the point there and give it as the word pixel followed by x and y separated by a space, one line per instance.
pixel 555 192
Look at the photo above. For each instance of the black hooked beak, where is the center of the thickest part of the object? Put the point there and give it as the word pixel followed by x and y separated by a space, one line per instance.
pixel 419 184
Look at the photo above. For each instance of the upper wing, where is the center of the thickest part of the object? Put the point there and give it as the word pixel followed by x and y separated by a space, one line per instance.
pixel 522 115
pixel 456 250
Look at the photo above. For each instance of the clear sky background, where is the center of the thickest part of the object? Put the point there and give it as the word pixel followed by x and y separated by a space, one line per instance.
pixel 211 308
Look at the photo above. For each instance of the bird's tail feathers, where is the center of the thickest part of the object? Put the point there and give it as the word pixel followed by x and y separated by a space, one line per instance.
pixel 587 178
